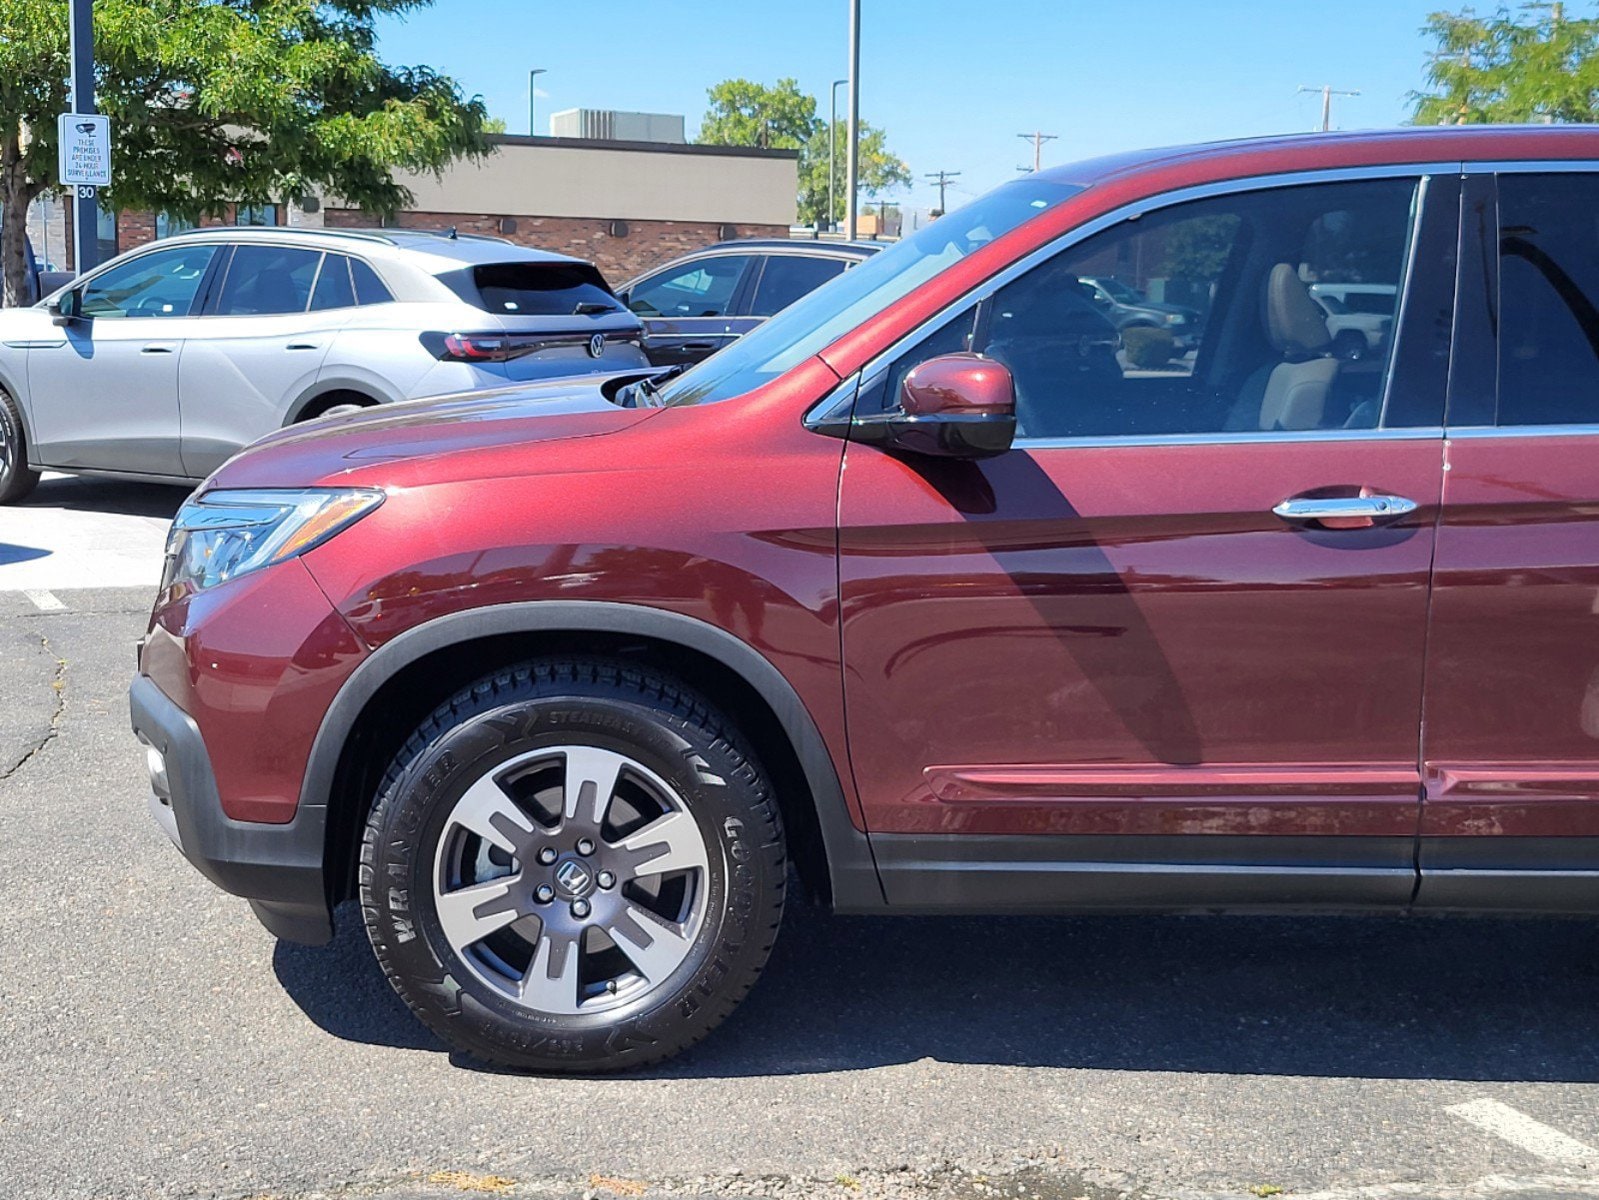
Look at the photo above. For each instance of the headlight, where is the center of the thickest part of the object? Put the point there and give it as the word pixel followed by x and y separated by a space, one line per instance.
pixel 224 534
pixel 1176 319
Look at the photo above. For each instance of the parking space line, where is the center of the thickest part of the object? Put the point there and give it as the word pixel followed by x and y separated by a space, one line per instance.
pixel 1519 1129
pixel 44 601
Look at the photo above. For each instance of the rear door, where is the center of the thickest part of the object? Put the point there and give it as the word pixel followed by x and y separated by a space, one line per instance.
pixel 1511 811
pixel 688 309
pixel 260 348
pixel 1128 641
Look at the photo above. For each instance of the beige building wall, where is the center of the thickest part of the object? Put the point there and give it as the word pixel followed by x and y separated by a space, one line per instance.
pixel 645 181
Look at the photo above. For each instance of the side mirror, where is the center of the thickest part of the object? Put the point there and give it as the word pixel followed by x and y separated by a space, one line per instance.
pixel 952 406
pixel 67 307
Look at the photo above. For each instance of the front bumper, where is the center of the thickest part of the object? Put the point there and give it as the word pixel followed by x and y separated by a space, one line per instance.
pixel 278 868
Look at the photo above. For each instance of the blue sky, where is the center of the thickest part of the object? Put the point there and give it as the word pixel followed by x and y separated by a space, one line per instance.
pixel 953 81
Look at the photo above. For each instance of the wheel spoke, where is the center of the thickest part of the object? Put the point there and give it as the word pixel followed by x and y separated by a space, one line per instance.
pixel 488 812
pixel 668 843
pixel 654 947
pixel 550 984
pixel 470 914
pixel 590 783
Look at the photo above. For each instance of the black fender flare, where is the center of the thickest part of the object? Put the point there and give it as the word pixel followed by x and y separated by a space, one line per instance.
pixel 852 869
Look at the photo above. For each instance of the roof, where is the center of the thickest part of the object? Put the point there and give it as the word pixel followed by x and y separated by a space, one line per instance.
pixel 856 249
pixel 575 143
pixel 1420 144
pixel 447 247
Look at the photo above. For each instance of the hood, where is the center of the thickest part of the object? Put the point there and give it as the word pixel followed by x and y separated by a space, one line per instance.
pixel 477 433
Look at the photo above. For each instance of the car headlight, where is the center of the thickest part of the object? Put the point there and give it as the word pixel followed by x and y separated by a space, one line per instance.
pixel 221 535
pixel 1176 319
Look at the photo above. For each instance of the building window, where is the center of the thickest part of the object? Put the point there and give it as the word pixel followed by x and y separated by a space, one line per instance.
pixel 166 224
pixel 105 233
pixel 256 214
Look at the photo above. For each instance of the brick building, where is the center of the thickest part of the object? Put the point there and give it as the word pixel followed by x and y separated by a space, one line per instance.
pixel 625 206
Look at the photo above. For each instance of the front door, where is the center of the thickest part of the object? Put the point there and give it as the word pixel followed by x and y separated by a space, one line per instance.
pixel 1511 814
pixel 688 309
pixel 1182 624
pixel 103 393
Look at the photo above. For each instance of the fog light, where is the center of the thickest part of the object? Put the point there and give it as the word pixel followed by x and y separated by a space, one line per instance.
pixel 156 763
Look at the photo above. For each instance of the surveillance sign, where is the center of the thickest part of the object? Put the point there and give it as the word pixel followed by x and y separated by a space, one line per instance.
pixel 85 150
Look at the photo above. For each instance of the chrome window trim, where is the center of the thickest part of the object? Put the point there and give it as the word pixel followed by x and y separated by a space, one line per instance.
pixel 1475 432
pixel 1531 166
pixel 1263 438
pixel 1138 208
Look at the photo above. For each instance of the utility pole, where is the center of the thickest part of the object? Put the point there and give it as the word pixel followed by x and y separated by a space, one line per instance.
pixel 86 200
pixel 832 146
pixel 1038 140
pixel 852 169
pixel 1327 93
pixel 942 178
pixel 533 98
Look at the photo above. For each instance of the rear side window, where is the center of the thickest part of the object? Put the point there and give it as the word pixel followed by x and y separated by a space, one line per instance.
pixel 1549 299
pixel 333 286
pixel 530 289
pixel 787 277
pixel 369 289
pixel 268 280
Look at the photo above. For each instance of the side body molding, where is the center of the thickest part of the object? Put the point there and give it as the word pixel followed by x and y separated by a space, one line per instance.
pixel 851 868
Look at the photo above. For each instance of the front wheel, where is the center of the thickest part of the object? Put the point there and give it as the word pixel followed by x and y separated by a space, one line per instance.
pixel 573 865
pixel 16 478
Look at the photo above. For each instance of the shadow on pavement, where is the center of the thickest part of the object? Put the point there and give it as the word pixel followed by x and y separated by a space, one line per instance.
pixel 88 494
pixel 1388 998
pixel 10 553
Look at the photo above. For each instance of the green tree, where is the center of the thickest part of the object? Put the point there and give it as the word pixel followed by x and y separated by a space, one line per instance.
pixel 880 171
pixel 1534 65
pixel 494 125
pixel 228 101
pixel 743 113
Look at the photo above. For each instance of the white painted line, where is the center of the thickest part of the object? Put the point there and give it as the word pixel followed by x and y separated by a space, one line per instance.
pixel 1519 1129
pixel 44 601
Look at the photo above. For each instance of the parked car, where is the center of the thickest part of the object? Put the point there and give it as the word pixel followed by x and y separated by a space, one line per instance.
pixel 165 361
pixel 1129 308
pixel 699 303
pixel 560 682
pixel 1360 316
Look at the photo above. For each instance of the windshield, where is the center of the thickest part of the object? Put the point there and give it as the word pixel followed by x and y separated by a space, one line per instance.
pixel 811 324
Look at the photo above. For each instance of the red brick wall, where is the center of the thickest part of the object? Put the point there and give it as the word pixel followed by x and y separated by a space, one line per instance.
pixel 137 228
pixel 647 244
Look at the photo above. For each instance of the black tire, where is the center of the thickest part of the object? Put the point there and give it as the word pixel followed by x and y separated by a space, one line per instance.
pixel 503 719
pixel 17 479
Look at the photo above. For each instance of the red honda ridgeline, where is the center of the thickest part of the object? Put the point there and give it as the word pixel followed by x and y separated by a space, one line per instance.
pixel 950 586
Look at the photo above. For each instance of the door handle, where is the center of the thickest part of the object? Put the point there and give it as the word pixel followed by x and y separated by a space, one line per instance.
pixel 157 348
pixel 696 346
pixel 302 346
pixel 1360 512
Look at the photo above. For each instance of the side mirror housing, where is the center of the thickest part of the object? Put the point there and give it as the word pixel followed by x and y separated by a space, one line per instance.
pixel 952 406
pixel 66 307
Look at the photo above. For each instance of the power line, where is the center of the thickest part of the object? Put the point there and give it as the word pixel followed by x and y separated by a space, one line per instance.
pixel 1327 93
pixel 1038 140
pixel 942 178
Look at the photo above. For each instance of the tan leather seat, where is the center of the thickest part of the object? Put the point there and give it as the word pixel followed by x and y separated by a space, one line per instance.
pixel 1291 394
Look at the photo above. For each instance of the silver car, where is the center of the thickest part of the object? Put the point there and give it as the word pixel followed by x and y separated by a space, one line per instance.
pixel 167 360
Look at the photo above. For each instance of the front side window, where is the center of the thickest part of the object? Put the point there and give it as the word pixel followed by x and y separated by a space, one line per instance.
pixel 787 277
pixel 163 283
pixel 1203 318
pixel 1548 299
pixel 267 281
pixel 702 289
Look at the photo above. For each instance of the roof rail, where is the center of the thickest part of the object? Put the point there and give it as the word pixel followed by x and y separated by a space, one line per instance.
pixel 365 235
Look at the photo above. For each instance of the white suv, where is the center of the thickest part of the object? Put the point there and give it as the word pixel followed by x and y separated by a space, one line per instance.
pixel 167 360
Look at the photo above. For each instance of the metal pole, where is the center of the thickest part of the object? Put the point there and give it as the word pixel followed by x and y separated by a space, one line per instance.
pixel 853 160
pixel 832 146
pixel 85 202
pixel 533 98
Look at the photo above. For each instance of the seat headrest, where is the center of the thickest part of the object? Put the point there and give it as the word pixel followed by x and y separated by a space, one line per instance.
pixel 1295 323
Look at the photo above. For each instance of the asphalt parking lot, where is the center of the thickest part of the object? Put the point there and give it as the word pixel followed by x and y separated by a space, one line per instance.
pixel 157 1042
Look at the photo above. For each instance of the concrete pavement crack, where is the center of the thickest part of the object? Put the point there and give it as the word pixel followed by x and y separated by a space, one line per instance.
pixel 58 684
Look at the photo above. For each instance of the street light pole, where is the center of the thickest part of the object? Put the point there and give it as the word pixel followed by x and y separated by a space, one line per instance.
pixel 85 202
pixel 533 98
pixel 832 146
pixel 853 159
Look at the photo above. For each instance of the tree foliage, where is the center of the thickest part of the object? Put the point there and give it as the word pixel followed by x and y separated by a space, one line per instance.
pixel 744 113
pixel 1536 64
pixel 227 101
